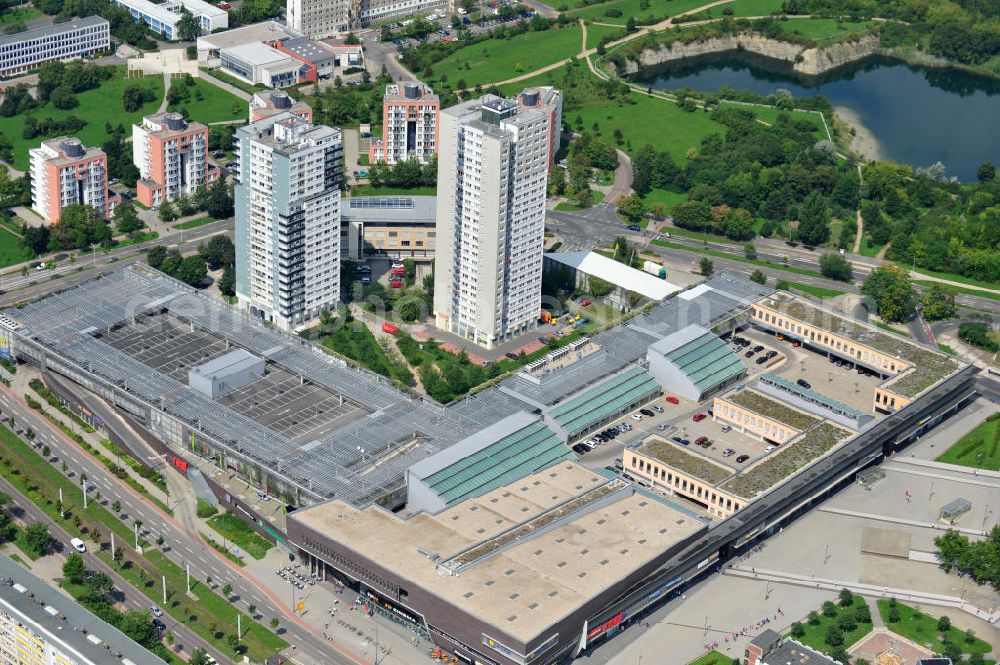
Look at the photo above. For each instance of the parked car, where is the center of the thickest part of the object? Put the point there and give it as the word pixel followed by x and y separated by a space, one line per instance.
pixel 647 412
pixel 512 356
pixel 706 443
pixel 727 428
pixel 728 452
pixel 769 449
pixel 634 227
pixel 742 458
pixel 662 426
pixel 155 611
pixel 637 416
pixel 758 348
pixel 796 344
pixel 762 360
pixel 396 284
pixel 698 417
pixel 657 408
pixel 672 400
pixel 389 328
pixel 748 354
pixel 770 354
pixel 78 545
pixel 805 384
pixel 700 440
pixel 625 427
pixel 585 302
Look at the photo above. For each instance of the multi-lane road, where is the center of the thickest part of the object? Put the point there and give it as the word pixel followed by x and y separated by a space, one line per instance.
pixel 183 547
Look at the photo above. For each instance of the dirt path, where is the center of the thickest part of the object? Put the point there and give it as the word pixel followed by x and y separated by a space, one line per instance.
pixel 861 222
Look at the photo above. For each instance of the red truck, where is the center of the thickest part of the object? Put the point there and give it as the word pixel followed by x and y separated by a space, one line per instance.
pixel 389 328
pixel 398 271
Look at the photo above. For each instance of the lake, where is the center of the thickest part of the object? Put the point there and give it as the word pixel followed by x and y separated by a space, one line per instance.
pixel 917 115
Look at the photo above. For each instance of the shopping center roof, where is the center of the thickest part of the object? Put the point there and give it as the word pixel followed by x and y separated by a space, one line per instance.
pixel 530 552
pixel 701 355
pixel 597 403
pixel 513 448
pixel 769 407
pixel 927 366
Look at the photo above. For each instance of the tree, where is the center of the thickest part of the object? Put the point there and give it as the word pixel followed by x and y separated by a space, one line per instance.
pixel 938 302
pixel 116 505
pixel 198 657
pixel 846 598
pixel 220 202
pixel 126 219
pixel 100 584
pixel 79 227
pixel 813 618
pixel 706 266
pixel 74 569
pixel 944 624
pixel 631 206
pixel 829 609
pixel 37 538
pixel 227 589
pixel 220 251
pixel 188 27
pixel 36 238
pixel 987 172
pixel 139 627
pixel 814 228
pixel 890 290
pixel 133 97
pixel 892 614
pixel 836 267
pixel 166 212
pixel 227 282
pixel 192 270
pixel 834 636
pixel 351 39
pixel 63 98
pixel 274 624
pixel 798 630
pixel 759 277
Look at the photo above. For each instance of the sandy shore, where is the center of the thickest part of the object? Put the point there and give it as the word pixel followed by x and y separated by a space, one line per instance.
pixel 863 141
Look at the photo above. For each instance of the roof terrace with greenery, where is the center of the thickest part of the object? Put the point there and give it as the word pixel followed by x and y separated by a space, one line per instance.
pixel 681 460
pixel 927 366
pixel 769 407
pixel 786 462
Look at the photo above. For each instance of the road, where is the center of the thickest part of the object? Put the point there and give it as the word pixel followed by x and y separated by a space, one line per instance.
pixel 37 283
pixel 185 640
pixel 599 225
pixel 184 547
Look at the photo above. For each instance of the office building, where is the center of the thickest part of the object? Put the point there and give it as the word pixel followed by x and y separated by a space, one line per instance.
pixel 75 39
pixel 210 46
pixel 39 624
pixel 410 112
pixel 172 157
pixel 266 103
pixel 162 18
pixel 259 63
pixel 399 226
pixel 64 172
pixel 288 219
pixel 324 18
pixel 548 100
pixel 491 218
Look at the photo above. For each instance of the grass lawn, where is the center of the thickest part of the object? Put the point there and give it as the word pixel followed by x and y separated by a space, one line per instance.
pixel 138 239
pixel 240 534
pixel 976 449
pixel 10 251
pixel 769 114
pixel 869 250
pixel 960 289
pixel 215 104
pixel 665 196
pixel 818 291
pixel 745 8
pixel 712 658
pixel 923 629
pixel 815 635
pixel 959 279
pixel 497 60
pixel 825 30
pixel 657 10
pixel 737 257
pixel 233 81
pixel 367 190
pixel 565 206
pixel 16 14
pixel 195 223
pixel 97 107
pixel 595 33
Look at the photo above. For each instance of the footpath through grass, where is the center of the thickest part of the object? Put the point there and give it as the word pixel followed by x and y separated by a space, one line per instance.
pixel 497 60
pixel 923 629
pixel 980 448
pixel 98 107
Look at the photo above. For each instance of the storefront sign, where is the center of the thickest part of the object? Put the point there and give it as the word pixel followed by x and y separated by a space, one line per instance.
pixel 600 629
pixel 180 464
pixel 392 607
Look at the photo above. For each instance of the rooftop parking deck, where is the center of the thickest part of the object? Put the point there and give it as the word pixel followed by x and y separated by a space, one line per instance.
pixel 927 366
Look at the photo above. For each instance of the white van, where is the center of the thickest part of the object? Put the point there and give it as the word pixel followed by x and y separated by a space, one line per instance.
pixel 78 545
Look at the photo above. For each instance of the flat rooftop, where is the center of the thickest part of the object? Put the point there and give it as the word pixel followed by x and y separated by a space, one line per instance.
pixel 684 459
pixel 258 32
pixel 527 553
pixel 59 620
pixel 928 366
pixel 770 407
pixel 54 29
pixel 787 460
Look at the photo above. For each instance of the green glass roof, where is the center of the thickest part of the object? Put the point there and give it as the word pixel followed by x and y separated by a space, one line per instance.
pixel 514 456
pixel 604 399
pixel 706 361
